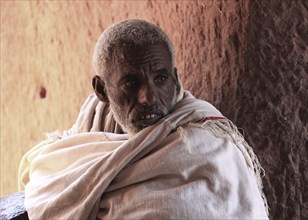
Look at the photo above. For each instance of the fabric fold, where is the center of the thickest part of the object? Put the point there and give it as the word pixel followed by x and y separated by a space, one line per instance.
pixel 182 159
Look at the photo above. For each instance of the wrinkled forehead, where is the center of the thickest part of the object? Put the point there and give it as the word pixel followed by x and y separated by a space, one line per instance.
pixel 148 55
pixel 128 51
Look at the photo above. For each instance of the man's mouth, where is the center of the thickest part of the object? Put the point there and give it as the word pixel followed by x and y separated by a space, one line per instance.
pixel 148 116
pixel 149 119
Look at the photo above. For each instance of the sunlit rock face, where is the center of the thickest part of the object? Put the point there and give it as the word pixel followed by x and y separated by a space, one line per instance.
pixel 248 58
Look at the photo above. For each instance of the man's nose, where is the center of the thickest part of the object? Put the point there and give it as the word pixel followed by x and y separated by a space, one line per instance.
pixel 146 95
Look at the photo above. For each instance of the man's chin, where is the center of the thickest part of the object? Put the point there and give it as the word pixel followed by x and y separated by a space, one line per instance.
pixel 141 124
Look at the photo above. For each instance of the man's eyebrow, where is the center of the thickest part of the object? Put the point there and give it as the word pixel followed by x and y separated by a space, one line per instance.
pixel 128 76
pixel 161 70
pixel 127 72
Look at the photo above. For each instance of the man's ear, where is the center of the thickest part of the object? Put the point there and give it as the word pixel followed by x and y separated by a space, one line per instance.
pixel 99 89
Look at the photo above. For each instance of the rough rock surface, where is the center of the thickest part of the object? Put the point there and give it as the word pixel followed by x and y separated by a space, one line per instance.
pixel 249 58
pixel 272 101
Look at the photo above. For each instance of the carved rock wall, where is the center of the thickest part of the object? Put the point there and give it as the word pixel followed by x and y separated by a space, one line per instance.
pixel 246 57
pixel 46 53
pixel 272 101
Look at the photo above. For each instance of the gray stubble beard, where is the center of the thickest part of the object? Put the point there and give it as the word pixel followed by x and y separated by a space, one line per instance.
pixel 126 125
pixel 118 116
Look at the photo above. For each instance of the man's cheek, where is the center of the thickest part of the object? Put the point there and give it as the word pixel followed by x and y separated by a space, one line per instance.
pixel 120 98
pixel 168 93
pixel 165 99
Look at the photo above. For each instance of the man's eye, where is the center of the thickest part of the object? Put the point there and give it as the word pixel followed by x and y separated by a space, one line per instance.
pixel 161 78
pixel 130 83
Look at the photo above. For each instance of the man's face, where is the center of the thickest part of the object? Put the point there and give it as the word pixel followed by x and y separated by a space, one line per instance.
pixel 142 86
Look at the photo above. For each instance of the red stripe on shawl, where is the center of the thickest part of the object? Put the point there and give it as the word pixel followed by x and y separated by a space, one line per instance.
pixel 209 118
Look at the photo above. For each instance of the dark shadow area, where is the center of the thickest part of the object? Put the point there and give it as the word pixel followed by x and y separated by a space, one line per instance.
pixel 272 102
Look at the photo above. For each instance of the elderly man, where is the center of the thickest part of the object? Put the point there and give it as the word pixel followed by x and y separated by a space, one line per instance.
pixel 142 147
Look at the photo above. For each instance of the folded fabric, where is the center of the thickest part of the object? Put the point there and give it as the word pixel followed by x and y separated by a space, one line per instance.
pixel 192 164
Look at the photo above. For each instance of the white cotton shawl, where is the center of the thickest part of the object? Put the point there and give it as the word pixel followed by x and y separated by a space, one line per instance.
pixel 192 164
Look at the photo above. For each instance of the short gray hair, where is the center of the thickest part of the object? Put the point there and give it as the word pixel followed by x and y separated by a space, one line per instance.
pixel 127 33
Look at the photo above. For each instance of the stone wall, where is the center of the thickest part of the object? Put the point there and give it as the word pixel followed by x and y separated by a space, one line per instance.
pixel 246 57
pixel 272 101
